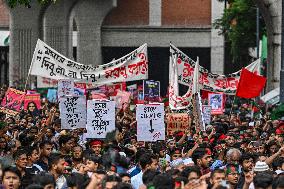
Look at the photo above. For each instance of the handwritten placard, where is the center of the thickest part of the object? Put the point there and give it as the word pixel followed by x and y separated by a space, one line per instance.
pixel 177 122
pixel 73 112
pixel 150 122
pixel 100 118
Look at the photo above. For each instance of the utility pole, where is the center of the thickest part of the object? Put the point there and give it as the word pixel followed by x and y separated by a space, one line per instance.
pixel 282 56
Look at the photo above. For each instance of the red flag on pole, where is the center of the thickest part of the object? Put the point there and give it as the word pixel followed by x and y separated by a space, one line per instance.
pixel 250 84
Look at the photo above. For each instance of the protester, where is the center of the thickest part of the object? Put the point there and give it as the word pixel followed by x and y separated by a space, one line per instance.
pixel 236 151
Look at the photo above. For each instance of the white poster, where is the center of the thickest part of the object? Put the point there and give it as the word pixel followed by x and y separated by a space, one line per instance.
pixel 150 122
pixel 73 112
pixel 207 114
pixel 48 63
pixel 65 87
pixel 100 118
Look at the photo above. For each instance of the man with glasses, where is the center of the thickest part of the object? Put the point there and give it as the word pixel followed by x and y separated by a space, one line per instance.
pixel 232 175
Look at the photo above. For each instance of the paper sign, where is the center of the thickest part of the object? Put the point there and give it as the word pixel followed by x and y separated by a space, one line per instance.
pixel 206 114
pixel 150 122
pixel 177 122
pixel 13 99
pixel 79 89
pixel 215 100
pixel 72 112
pixel 65 87
pixel 32 102
pixel 100 118
pixel 151 90
pixel 52 95
pixel 121 98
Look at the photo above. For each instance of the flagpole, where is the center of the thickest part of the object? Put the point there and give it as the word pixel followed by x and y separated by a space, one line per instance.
pixel 232 108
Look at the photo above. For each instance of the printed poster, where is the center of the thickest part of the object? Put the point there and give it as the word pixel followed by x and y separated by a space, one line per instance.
pixel 32 101
pixel 72 112
pixel 151 90
pixel 215 100
pixel 80 89
pixel 100 118
pixel 207 114
pixel 150 122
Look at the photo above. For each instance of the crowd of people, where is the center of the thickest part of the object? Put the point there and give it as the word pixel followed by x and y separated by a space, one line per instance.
pixel 237 151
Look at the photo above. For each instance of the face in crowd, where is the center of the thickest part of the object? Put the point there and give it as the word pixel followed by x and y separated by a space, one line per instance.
pixel 11 180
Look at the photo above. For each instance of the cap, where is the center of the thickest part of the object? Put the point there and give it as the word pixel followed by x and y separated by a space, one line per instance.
pixel 260 167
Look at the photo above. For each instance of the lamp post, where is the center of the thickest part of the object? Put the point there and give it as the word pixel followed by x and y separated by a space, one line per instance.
pixel 282 57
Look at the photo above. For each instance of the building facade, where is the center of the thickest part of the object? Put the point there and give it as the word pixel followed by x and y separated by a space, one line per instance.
pixel 96 31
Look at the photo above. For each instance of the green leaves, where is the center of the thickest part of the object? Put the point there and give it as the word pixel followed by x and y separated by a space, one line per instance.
pixel 238 24
pixel 14 3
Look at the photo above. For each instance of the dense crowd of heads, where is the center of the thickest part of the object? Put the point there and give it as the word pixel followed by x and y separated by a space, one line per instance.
pixel 236 151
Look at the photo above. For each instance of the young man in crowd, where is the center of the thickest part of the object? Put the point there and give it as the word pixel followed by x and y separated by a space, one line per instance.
pixel 45 151
pixel 56 168
pixel 202 158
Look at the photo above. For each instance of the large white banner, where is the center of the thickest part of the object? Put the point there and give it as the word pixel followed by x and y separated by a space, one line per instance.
pixel 48 63
pixel 150 122
pixel 73 112
pixel 207 81
pixel 100 118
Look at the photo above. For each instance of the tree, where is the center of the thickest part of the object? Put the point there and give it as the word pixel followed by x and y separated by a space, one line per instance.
pixel 238 24
pixel 13 3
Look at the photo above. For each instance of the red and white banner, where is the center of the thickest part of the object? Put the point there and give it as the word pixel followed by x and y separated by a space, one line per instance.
pixel 13 99
pixel 208 81
pixel 48 63
pixel 175 101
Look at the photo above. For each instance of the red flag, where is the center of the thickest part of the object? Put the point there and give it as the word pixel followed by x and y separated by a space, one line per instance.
pixel 250 84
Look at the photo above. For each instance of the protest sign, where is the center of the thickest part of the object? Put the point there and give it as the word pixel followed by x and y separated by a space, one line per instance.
pixel 121 98
pixel 215 100
pixel 43 82
pixel 79 89
pixel 150 122
pixel 72 112
pixel 151 90
pixel 133 91
pixel 208 81
pixel 206 114
pixel 13 99
pixel 65 87
pixel 32 100
pixel 177 122
pixel 100 118
pixel 47 62
pixel 52 95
